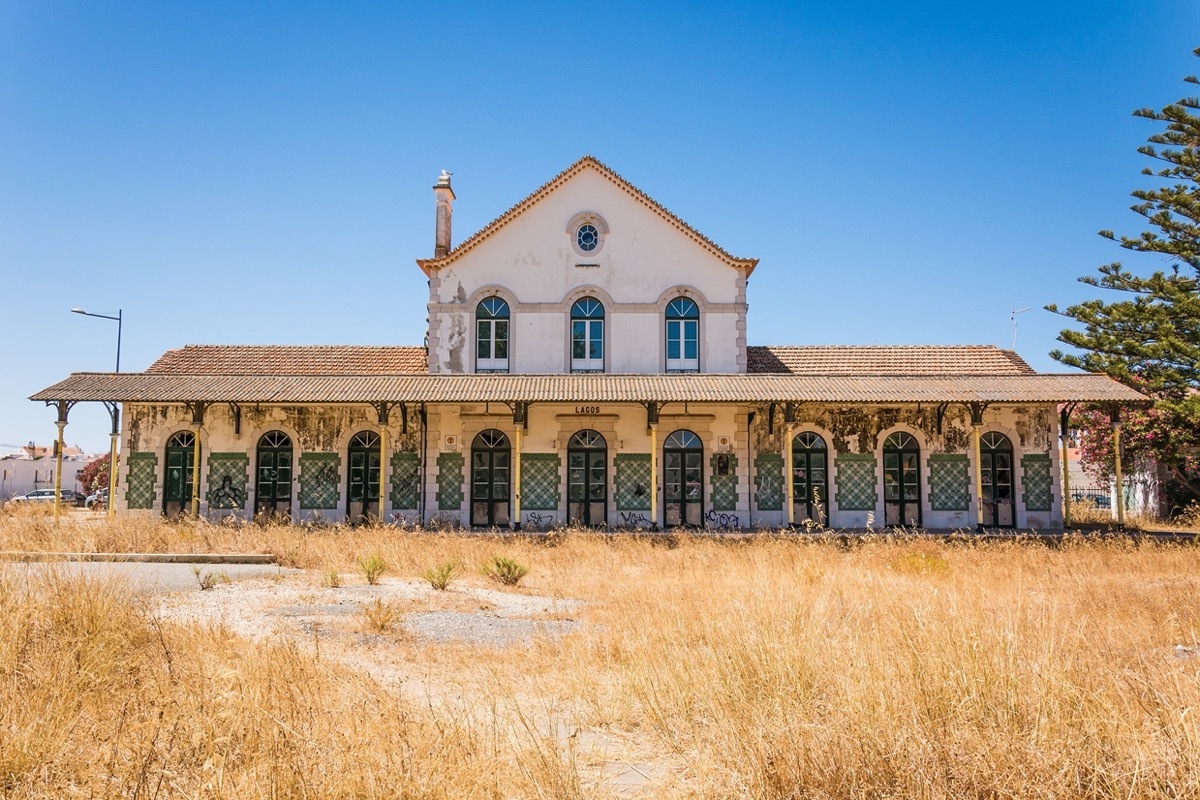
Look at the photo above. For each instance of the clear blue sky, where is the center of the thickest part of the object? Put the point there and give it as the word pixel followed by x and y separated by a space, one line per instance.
pixel 233 172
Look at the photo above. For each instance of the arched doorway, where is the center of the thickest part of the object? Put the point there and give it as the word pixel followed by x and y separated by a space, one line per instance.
pixel 491 459
pixel 178 473
pixel 810 486
pixel 683 480
pixel 273 475
pixel 996 458
pixel 362 491
pixel 902 480
pixel 587 479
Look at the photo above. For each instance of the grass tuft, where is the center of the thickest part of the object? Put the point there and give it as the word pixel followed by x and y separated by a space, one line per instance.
pixel 504 570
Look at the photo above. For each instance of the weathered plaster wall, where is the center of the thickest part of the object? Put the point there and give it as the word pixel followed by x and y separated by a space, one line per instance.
pixel 756 470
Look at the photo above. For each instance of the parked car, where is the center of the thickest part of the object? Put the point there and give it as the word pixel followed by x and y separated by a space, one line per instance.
pixel 69 497
pixel 97 500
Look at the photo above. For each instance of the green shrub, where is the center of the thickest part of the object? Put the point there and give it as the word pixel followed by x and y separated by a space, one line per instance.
pixel 373 567
pixel 505 570
pixel 441 576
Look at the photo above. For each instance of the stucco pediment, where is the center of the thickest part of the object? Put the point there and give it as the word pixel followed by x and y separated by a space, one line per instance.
pixel 558 196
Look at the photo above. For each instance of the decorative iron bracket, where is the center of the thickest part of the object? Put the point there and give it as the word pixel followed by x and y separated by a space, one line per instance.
pixel 520 411
pixel 976 407
pixel 114 411
pixel 653 407
pixel 941 415
pixel 1064 418
pixel 64 408
pixel 197 407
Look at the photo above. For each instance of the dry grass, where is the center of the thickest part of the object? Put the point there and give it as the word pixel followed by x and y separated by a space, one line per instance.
pixel 771 668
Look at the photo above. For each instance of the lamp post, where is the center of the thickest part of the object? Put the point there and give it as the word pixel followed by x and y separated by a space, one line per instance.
pixel 114 411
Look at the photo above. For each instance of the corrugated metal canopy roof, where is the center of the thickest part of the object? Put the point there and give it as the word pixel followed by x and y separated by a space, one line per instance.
pixel 701 388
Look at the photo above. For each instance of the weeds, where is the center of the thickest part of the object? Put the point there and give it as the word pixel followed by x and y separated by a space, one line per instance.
pixel 441 576
pixel 379 617
pixel 504 570
pixel 207 579
pixel 373 567
pixel 332 579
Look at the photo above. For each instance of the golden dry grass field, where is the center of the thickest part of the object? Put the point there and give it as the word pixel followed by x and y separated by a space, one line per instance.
pixel 772 667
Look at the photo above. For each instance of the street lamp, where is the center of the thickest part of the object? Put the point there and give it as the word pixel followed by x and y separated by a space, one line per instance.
pixel 114 411
pixel 116 319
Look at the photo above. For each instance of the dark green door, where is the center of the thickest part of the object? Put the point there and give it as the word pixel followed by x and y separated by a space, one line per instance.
pixel 490 487
pixel 362 495
pixel 178 475
pixel 273 476
pixel 810 489
pixel 683 480
pixel 902 480
pixel 587 479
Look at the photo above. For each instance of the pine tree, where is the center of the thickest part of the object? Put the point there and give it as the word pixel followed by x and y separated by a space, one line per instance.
pixel 1150 340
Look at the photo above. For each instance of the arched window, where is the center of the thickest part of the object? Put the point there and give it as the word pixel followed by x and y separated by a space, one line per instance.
pixel 491 458
pixel 810 486
pixel 273 475
pixel 683 335
pixel 902 480
pixel 587 478
pixel 996 460
pixel 587 335
pixel 178 473
pixel 683 480
pixel 491 335
pixel 362 490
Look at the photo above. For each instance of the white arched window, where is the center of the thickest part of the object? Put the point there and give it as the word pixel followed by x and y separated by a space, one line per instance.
pixel 683 335
pixel 587 336
pixel 491 335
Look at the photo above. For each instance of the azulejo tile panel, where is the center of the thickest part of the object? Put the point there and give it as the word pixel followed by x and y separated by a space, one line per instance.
pixel 949 482
pixel 228 474
pixel 633 481
pixel 856 490
pixel 1039 483
pixel 406 469
pixel 768 477
pixel 319 479
pixel 540 481
pixel 139 485
pixel 450 481
pixel 724 487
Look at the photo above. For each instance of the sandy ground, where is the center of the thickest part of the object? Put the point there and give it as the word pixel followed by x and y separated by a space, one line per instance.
pixel 415 655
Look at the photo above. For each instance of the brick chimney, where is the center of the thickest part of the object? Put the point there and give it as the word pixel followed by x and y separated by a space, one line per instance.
pixel 445 197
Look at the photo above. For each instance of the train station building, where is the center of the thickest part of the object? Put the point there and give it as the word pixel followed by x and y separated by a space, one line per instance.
pixel 586 362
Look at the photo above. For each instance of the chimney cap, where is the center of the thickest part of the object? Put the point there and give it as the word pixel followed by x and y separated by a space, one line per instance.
pixel 443 181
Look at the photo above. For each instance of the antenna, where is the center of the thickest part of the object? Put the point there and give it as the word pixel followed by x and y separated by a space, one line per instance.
pixel 1012 316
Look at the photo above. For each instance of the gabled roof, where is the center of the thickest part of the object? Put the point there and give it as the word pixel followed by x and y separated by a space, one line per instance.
pixel 587 162
pixel 890 360
pixel 203 359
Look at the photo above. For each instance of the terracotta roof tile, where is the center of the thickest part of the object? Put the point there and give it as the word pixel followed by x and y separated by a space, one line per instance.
pixel 301 389
pixel 290 360
pixel 869 360
pixel 428 264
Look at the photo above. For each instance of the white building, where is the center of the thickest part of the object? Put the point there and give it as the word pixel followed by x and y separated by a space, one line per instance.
pixel 586 361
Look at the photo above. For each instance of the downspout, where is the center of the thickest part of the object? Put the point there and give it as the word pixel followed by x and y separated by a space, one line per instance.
pixel 749 473
pixel 196 475
pixel 382 469
pixel 424 464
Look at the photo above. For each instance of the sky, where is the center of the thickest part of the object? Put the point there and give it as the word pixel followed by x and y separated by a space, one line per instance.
pixel 261 173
